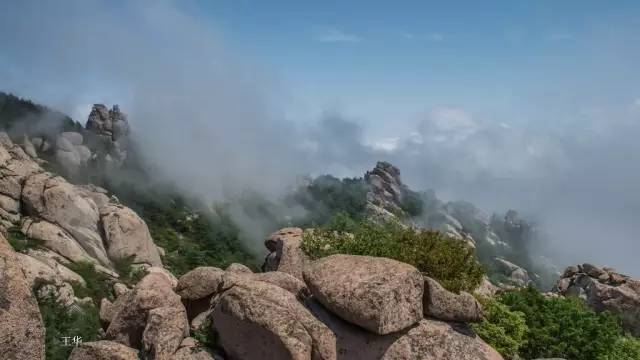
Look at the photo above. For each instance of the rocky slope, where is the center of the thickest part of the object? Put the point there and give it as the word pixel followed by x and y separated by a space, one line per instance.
pixel 604 289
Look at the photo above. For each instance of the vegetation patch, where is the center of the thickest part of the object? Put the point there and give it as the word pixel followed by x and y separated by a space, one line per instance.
pixel 450 261
pixel 63 323
pixel 20 242
pixel 555 328
pixel 98 285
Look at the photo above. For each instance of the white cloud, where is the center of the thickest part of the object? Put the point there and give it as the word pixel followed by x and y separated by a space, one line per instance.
pixel 335 35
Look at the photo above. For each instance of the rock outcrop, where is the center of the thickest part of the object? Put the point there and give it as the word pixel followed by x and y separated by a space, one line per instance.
pixel 442 304
pixel 604 289
pixel 378 294
pixel 103 350
pixel 21 332
pixel 257 320
pixel 108 130
pixel 285 254
pixel 76 222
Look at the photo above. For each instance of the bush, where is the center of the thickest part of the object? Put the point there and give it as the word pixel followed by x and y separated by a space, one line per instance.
pixel 561 327
pixel 625 348
pixel 450 261
pixel 98 285
pixel 60 321
pixel 502 328
pixel 20 242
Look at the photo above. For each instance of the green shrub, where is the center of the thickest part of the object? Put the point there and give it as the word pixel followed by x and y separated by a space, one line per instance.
pixel 98 285
pixel 451 262
pixel 128 273
pixel 502 328
pixel 60 321
pixel 20 242
pixel 562 327
pixel 625 348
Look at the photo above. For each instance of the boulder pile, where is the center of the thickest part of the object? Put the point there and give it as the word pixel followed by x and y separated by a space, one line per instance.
pixel 338 307
pixel 604 289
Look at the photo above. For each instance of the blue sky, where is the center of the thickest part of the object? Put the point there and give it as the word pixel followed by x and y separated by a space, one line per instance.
pixel 388 62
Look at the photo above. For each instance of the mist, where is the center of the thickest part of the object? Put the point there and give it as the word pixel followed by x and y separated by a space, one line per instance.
pixel 213 120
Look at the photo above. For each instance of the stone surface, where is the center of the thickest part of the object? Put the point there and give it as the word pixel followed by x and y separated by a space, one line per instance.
pixel 442 304
pixel 130 319
pixel 199 283
pixel 602 290
pixel 286 254
pixel 272 321
pixel 190 353
pixel 126 235
pixel 238 269
pixel 22 332
pixel 426 340
pixel 378 294
pixel 286 281
pixel 103 350
pixel 166 327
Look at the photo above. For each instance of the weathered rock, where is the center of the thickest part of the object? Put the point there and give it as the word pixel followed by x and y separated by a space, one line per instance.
pixel 103 350
pixel 36 270
pixel 129 321
pixel 55 238
pixel 269 318
pixel 286 254
pixel 126 235
pixel 192 353
pixel 428 339
pixel 22 332
pixel 517 275
pixel 120 289
pixel 59 202
pixel 199 283
pixel 286 281
pixel 378 294
pixel 166 327
pixel 486 288
pixel 164 272
pixel 106 312
pixel 444 305
pixel 239 269
pixel 604 290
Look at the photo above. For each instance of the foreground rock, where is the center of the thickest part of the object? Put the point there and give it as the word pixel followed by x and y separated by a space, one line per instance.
pixel 103 350
pixel 604 289
pixel 21 330
pixel 442 304
pixel 426 340
pixel 378 294
pixel 260 321
pixel 134 311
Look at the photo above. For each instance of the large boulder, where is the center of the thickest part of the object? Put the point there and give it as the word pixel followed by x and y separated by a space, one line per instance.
pixel 130 319
pixel 22 332
pixel 57 201
pixel 55 238
pixel 286 281
pixel 426 340
pixel 257 320
pixel 516 275
pixel 604 289
pixel 103 350
pixel 199 283
pixel 285 252
pixel 378 294
pixel 442 304
pixel 127 235
pixel 166 327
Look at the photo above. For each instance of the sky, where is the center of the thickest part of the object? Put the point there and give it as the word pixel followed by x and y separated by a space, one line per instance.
pixel 508 104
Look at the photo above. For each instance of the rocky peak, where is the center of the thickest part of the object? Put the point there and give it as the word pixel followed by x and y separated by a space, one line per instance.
pixel 108 123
